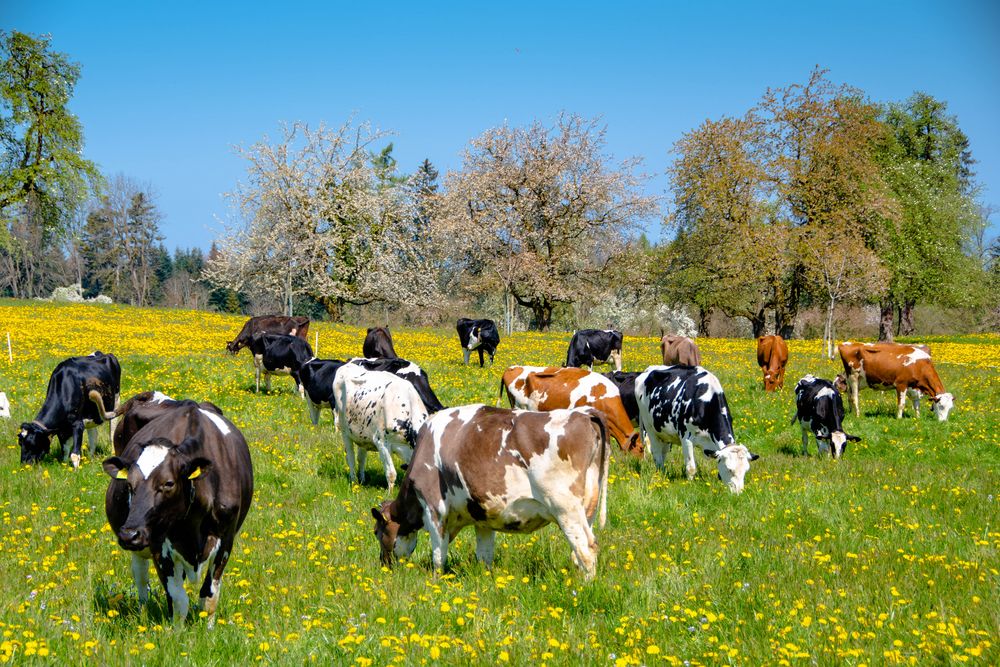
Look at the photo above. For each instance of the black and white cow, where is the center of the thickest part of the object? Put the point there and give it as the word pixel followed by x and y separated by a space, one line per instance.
pixel 82 393
pixel 410 372
pixel 626 387
pixel 479 335
pixel 590 346
pixel 378 344
pixel 178 495
pixel 317 377
pixel 279 354
pixel 686 404
pixel 377 411
pixel 820 409
pixel 512 471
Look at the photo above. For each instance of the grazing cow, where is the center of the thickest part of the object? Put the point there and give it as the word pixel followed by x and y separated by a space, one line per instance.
pixel 278 354
pixel 626 388
pixel 679 350
pixel 378 412
pixel 82 393
pixel 479 335
pixel 687 404
pixel 905 368
pixel 141 409
pixel 316 376
pixel 590 346
pixel 772 355
pixel 551 388
pixel 820 409
pixel 276 324
pixel 4 406
pixel 410 372
pixel 378 344
pixel 505 470
pixel 178 495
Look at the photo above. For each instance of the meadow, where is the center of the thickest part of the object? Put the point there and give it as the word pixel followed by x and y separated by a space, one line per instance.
pixel 888 556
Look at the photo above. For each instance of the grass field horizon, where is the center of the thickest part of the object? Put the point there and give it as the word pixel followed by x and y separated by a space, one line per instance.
pixel 888 556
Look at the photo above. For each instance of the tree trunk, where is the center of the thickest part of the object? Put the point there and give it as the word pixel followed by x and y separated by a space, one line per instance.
pixel 543 314
pixel 906 327
pixel 886 311
pixel 828 330
pixel 334 308
pixel 758 322
pixel 704 320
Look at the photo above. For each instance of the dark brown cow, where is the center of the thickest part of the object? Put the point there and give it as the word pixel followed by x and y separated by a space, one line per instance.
pixel 505 470
pixel 276 324
pixel 550 388
pixel 378 344
pixel 772 355
pixel 905 368
pixel 178 495
pixel 141 409
pixel 679 350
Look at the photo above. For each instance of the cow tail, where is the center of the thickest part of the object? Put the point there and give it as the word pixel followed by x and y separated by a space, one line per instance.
pixel 500 395
pixel 604 459
pixel 94 394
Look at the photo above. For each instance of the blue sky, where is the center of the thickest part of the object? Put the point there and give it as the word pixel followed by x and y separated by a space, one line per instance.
pixel 169 88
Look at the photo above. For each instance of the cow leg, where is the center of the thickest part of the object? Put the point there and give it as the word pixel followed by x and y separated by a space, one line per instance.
pixel 915 399
pixel 213 578
pixel 267 382
pixel 362 464
pixel 257 377
pixel 492 354
pixel 485 542
pixel 91 441
pixel 690 465
pixel 349 455
pixel 466 352
pixel 140 575
pixel 659 451
pixel 901 403
pixel 480 357
pixel 313 412
pixel 616 356
pixel 74 455
pixel 805 440
pixel 177 595
pixel 574 526
pixel 439 539
pixel 853 380
pixel 385 456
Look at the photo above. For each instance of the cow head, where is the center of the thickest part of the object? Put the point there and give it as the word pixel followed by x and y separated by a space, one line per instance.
pixel 838 443
pixel 233 347
pixel 34 441
pixel 942 405
pixel 773 380
pixel 734 462
pixel 840 383
pixel 387 532
pixel 474 337
pixel 161 485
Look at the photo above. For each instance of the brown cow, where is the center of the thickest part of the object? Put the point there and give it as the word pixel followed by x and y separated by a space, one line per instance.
pixel 276 324
pixel 143 408
pixel 772 355
pixel 905 368
pixel 505 470
pixel 550 388
pixel 679 350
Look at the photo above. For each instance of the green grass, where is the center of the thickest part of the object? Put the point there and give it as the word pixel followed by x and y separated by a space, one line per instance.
pixel 889 555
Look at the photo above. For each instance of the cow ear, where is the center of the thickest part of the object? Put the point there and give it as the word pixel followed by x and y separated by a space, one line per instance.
pixel 711 453
pixel 378 516
pixel 116 468
pixel 196 467
pixel 854 438
pixel 753 457
pixel 189 447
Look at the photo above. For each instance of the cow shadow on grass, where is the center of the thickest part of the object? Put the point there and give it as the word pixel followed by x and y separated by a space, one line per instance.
pixel 120 604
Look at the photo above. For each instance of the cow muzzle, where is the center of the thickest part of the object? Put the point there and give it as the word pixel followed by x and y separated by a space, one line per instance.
pixel 133 539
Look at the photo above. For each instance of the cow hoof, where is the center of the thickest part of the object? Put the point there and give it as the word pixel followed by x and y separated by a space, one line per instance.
pixel 75 460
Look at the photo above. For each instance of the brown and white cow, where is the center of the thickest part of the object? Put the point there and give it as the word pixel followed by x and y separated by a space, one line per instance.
pixel 496 469
pixel 905 368
pixel 679 350
pixel 276 324
pixel 772 355
pixel 178 495
pixel 550 387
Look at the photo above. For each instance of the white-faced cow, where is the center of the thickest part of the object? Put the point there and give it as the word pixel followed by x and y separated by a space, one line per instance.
pixel 772 355
pixel 275 324
pixel 377 411
pixel 552 388
pixel 178 495
pixel 378 344
pixel 686 404
pixel 590 346
pixel 481 335
pixel 316 376
pixel 820 409
pixel 905 368
pixel 679 350
pixel 501 470
pixel 4 406
pixel 143 408
pixel 410 372
pixel 82 393
pixel 278 354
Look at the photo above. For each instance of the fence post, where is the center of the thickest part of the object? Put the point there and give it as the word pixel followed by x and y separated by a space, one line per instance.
pixel 10 351
pixel 316 346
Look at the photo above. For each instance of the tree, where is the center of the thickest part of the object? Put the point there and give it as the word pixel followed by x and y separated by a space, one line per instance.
pixel 43 174
pixel 320 216
pixel 542 212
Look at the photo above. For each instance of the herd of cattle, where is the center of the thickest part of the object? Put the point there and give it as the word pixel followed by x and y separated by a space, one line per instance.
pixel 182 477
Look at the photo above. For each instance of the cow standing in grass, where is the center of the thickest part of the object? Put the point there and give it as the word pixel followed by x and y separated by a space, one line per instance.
pixel 820 409
pixel 906 368
pixel 772 356
pixel 278 354
pixel 274 324
pixel 501 470
pixel 595 346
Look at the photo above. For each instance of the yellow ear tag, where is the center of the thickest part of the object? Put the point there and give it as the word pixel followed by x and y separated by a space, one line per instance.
pixel 122 474
pixel 196 473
